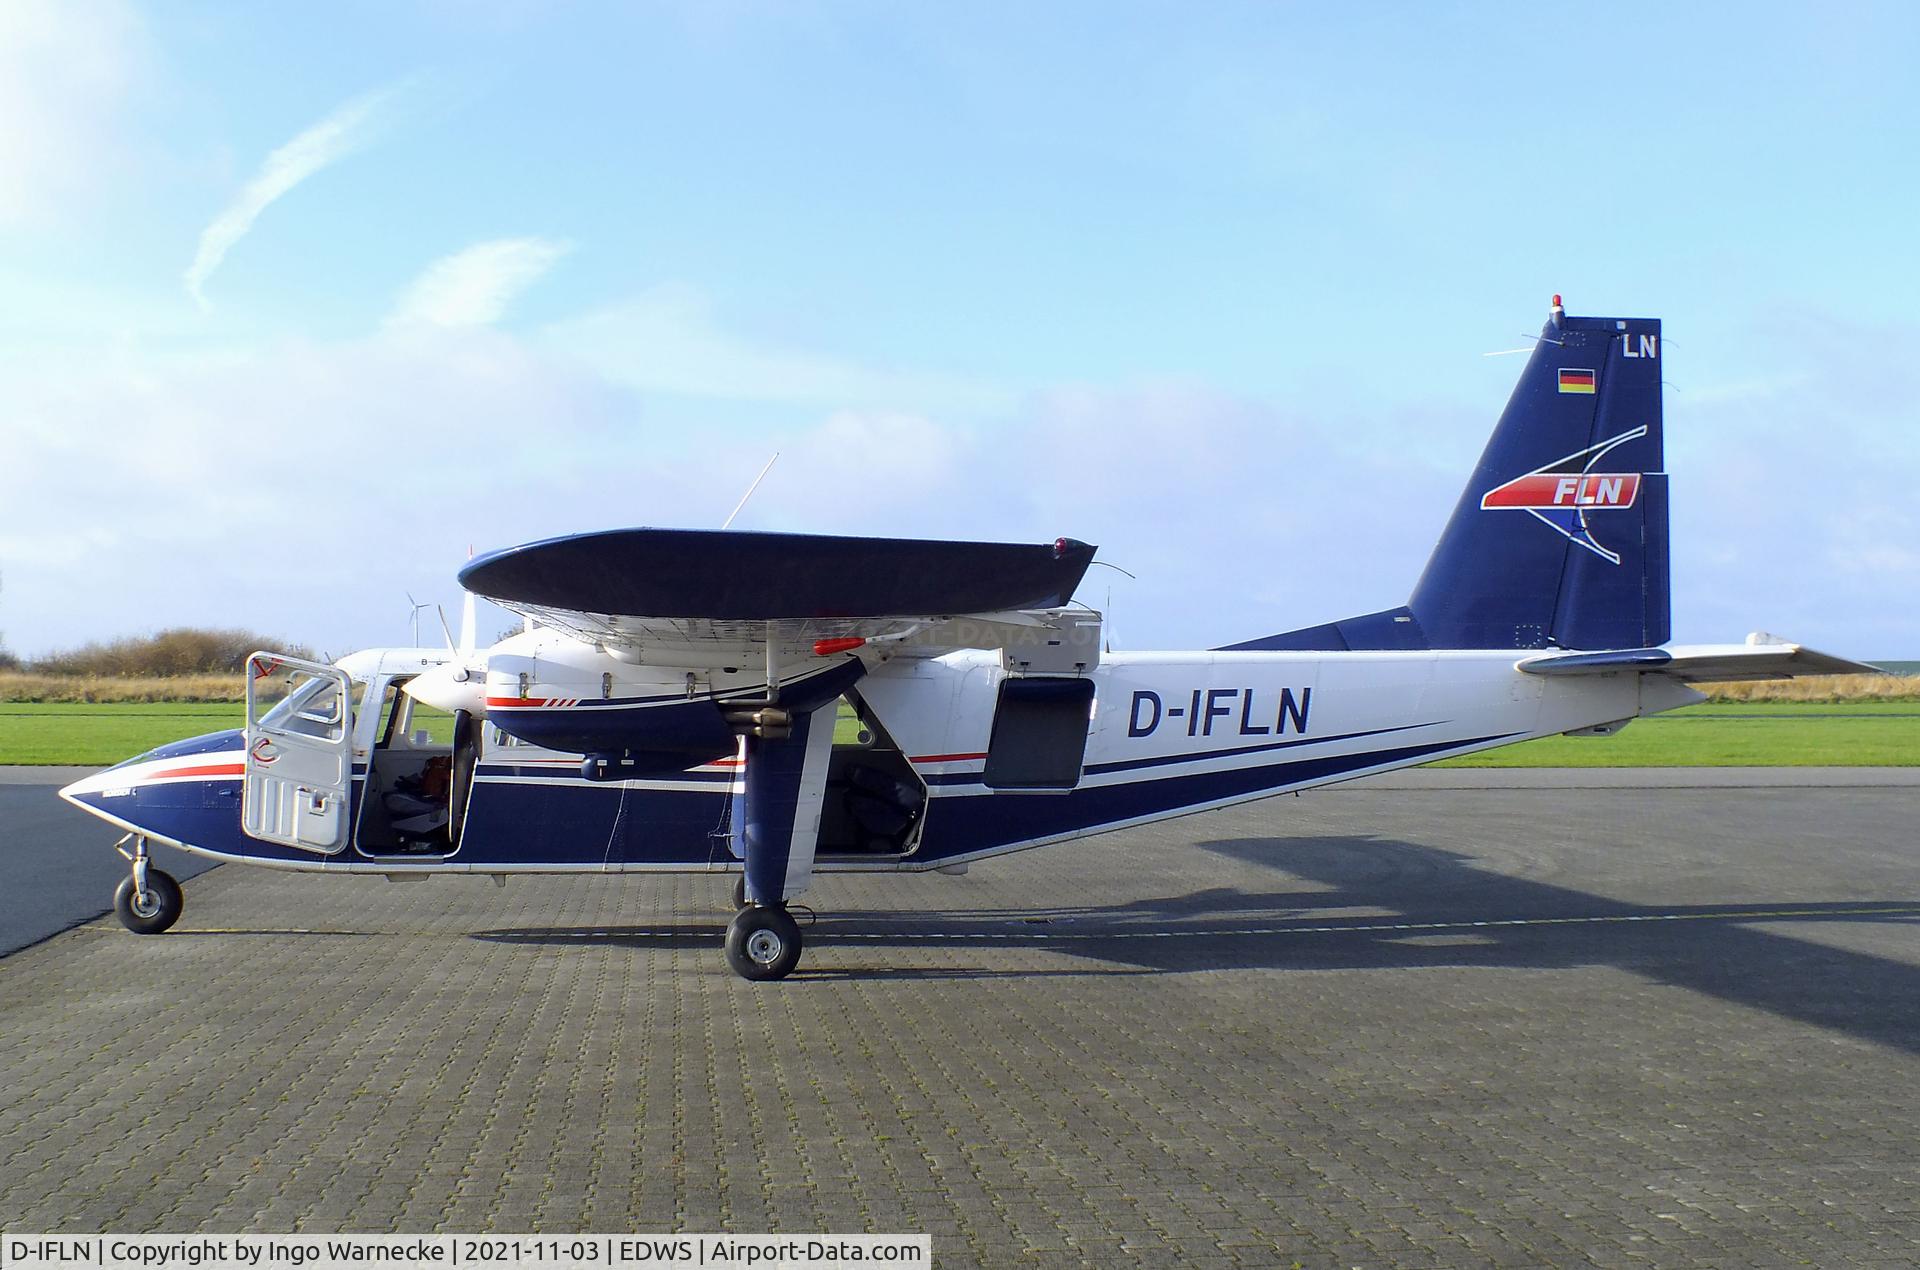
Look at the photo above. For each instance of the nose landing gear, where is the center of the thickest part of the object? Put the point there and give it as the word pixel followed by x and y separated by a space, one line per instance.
pixel 149 900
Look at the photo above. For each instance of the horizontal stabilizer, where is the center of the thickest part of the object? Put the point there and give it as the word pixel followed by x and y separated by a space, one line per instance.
pixel 1758 658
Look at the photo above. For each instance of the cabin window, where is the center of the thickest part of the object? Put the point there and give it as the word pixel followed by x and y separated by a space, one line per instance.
pixel 411 724
pixel 1039 737
pixel 429 727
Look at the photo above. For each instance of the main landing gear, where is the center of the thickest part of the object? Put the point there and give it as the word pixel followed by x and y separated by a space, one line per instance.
pixel 149 900
pixel 763 942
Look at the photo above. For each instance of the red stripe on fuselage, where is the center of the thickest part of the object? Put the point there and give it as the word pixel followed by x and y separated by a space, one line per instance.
pixel 205 770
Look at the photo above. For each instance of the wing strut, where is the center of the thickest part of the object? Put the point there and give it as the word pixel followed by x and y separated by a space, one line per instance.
pixel 773 666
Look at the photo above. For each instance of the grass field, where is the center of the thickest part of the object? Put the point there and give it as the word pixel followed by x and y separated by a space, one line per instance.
pixel 1735 734
pixel 1716 734
pixel 96 735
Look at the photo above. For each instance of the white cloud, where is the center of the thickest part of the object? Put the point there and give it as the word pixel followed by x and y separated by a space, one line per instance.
pixel 303 487
pixel 1221 506
pixel 668 340
pixel 1789 504
pixel 298 488
pixel 65 70
pixel 341 133
pixel 473 287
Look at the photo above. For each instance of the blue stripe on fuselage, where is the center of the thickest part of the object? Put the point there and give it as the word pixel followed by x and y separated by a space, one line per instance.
pixel 1164 760
pixel 964 824
pixel 555 822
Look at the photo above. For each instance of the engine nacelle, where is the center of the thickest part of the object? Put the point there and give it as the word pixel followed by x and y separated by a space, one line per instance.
pixel 632 719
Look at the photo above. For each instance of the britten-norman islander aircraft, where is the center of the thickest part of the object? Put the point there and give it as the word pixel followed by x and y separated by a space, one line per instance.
pixel 783 705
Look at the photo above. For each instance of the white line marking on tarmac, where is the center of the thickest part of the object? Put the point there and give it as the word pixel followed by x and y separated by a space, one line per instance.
pixel 1367 928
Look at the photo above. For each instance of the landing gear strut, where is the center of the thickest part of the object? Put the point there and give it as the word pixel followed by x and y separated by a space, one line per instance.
pixel 149 900
pixel 763 942
pixel 775 818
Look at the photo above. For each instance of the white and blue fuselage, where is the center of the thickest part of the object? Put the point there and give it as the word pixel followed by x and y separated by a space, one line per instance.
pixel 1168 734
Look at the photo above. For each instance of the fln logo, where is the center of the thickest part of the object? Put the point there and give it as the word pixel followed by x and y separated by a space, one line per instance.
pixel 1563 493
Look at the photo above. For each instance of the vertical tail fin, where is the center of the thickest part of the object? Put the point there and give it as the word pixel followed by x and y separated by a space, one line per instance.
pixel 1560 537
pixel 1561 534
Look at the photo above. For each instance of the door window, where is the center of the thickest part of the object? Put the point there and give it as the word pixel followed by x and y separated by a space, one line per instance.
pixel 288 699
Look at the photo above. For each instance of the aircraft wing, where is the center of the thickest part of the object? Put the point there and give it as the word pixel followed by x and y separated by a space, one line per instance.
pixel 1761 657
pixel 715 591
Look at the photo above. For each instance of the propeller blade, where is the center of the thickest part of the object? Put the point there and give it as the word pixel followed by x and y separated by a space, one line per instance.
pixel 466 629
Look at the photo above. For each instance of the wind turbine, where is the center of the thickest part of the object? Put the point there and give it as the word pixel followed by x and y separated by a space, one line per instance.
pixel 415 616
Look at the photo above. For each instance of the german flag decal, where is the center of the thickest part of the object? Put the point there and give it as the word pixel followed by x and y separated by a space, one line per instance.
pixel 1576 381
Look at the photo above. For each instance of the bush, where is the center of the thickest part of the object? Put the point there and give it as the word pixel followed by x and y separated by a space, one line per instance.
pixel 92 688
pixel 1826 688
pixel 181 651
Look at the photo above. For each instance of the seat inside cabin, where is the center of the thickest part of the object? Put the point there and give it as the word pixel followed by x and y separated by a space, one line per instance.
pixel 419 776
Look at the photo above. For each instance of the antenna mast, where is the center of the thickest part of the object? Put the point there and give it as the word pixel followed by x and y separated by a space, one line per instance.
pixel 728 522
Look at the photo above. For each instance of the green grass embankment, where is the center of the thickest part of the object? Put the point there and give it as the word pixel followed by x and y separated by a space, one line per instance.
pixel 1729 734
pixel 95 735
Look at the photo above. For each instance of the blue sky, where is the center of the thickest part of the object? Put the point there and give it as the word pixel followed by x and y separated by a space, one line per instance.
pixel 305 300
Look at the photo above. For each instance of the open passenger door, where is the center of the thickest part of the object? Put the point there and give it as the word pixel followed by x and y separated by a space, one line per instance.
pixel 299 754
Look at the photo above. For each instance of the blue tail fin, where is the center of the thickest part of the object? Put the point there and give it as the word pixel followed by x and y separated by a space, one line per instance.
pixel 1560 538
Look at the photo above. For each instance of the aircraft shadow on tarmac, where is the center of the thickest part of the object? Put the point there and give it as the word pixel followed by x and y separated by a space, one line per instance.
pixel 1418 906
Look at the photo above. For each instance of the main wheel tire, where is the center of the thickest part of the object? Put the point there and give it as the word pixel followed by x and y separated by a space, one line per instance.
pixel 740 892
pixel 154 912
pixel 763 943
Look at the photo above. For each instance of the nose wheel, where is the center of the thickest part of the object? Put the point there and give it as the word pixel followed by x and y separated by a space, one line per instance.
pixel 150 911
pixel 148 900
pixel 763 943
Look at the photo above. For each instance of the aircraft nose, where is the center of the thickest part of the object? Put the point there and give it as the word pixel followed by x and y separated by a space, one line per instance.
pixel 114 777
pixel 166 767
